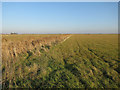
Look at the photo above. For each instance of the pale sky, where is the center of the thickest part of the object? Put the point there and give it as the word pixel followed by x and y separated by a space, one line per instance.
pixel 60 17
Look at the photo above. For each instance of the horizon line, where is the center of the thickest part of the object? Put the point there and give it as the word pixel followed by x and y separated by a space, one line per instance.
pixel 56 33
pixel 59 0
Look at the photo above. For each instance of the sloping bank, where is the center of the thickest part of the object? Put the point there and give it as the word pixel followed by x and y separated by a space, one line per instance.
pixel 18 50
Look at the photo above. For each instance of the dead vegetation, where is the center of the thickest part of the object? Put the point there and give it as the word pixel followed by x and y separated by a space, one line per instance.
pixel 12 46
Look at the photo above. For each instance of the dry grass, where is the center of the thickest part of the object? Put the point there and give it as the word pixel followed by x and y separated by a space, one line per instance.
pixel 13 45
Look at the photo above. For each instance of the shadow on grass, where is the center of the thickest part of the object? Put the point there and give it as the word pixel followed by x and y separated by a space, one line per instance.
pixel 75 72
pixel 29 54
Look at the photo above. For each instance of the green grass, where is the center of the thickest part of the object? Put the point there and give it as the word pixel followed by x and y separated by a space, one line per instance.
pixel 82 61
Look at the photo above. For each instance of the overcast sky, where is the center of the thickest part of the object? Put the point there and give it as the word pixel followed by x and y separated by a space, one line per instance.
pixel 60 17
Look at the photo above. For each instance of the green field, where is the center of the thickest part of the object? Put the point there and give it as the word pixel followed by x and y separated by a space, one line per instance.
pixel 80 61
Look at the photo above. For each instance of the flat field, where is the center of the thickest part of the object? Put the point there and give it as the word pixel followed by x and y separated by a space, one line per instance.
pixel 56 61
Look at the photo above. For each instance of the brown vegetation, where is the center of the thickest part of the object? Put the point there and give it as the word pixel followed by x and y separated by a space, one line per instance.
pixel 12 46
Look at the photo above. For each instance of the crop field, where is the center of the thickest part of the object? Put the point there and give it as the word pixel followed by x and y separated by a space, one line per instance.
pixel 60 61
